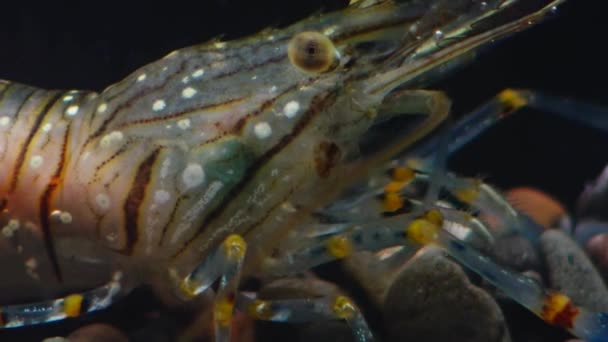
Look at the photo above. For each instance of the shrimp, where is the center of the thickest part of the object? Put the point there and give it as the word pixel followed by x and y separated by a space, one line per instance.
pixel 216 162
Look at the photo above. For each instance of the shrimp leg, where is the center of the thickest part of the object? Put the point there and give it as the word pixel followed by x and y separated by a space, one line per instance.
pixel 224 264
pixel 509 102
pixel 308 310
pixel 414 232
pixel 73 305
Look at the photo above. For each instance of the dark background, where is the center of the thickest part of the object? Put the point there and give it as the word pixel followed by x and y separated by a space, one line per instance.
pixel 89 45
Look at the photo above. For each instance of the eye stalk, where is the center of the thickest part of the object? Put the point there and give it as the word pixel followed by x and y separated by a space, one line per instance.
pixel 313 52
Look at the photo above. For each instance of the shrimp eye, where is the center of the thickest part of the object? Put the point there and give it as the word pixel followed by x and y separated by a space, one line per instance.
pixel 312 52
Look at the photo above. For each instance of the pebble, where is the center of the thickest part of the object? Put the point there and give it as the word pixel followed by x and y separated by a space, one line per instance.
pixel 432 299
pixel 597 247
pixel 376 272
pixel 592 202
pixel 539 206
pixel 97 333
pixel 515 252
pixel 571 271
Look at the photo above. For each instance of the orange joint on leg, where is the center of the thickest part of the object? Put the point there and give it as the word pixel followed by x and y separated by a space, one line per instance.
pixel 392 201
pixel 434 216
pixel 422 232
pixel 558 310
pixel 72 305
pixel 402 174
pixel 223 311
pixel 235 247
pixel 393 187
pixel 260 309
pixel 467 195
pixel 188 287
pixel 344 308
pixel 339 246
pixel 512 99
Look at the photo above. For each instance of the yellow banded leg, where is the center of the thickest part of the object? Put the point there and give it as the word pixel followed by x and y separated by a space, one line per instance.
pixel 73 305
pixel 309 310
pixel 410 231
pixel 505 104
pixel 224 264
pixel 407 231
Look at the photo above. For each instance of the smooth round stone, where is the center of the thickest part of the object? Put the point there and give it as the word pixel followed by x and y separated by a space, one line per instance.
pixel 97 333
pixel 539 206
pixel 592 202
pixel 571 271
pixel 376 272
pixel 597 247
pixel 516 252
pixel 432 299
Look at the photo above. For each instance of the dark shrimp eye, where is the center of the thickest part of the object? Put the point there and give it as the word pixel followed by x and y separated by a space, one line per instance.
pixel 312 52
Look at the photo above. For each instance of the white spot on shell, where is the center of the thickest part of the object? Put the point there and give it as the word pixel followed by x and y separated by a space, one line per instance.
pixel 72 110
pixel 65 217
pixel 159 105
pixel 68 98
pixel 164 169
pixel 111 237
pixel 198 73
pixel 111 139
pixel 193 175
pixel 103 201
pixel 219 45
pixel 36 161
pixel 188 92
pixel 5 121
pixel 102 108
pixel 162 196
pixel 183 124
pixel 185 79
pixel 330 30
pixel 62 216
pixel 291 109
pixel 47 127
pixel 11 227
pixel 142 77
pixel 288 207
pixel 262 130
pixel 31 263
pixel 273 89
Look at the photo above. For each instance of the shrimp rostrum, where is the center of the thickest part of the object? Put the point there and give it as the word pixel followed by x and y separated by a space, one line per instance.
pixel 228 160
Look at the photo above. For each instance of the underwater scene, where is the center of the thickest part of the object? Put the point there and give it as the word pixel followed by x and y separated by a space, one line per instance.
pixel 338 170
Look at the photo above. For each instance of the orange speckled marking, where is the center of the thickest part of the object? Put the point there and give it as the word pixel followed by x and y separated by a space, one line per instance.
pixel 422 232
pixel 72 305
pixel 403 174
pixel 434 216
pixel 223 310
pixel 394 187
pixel 558 310
pixel 392 201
